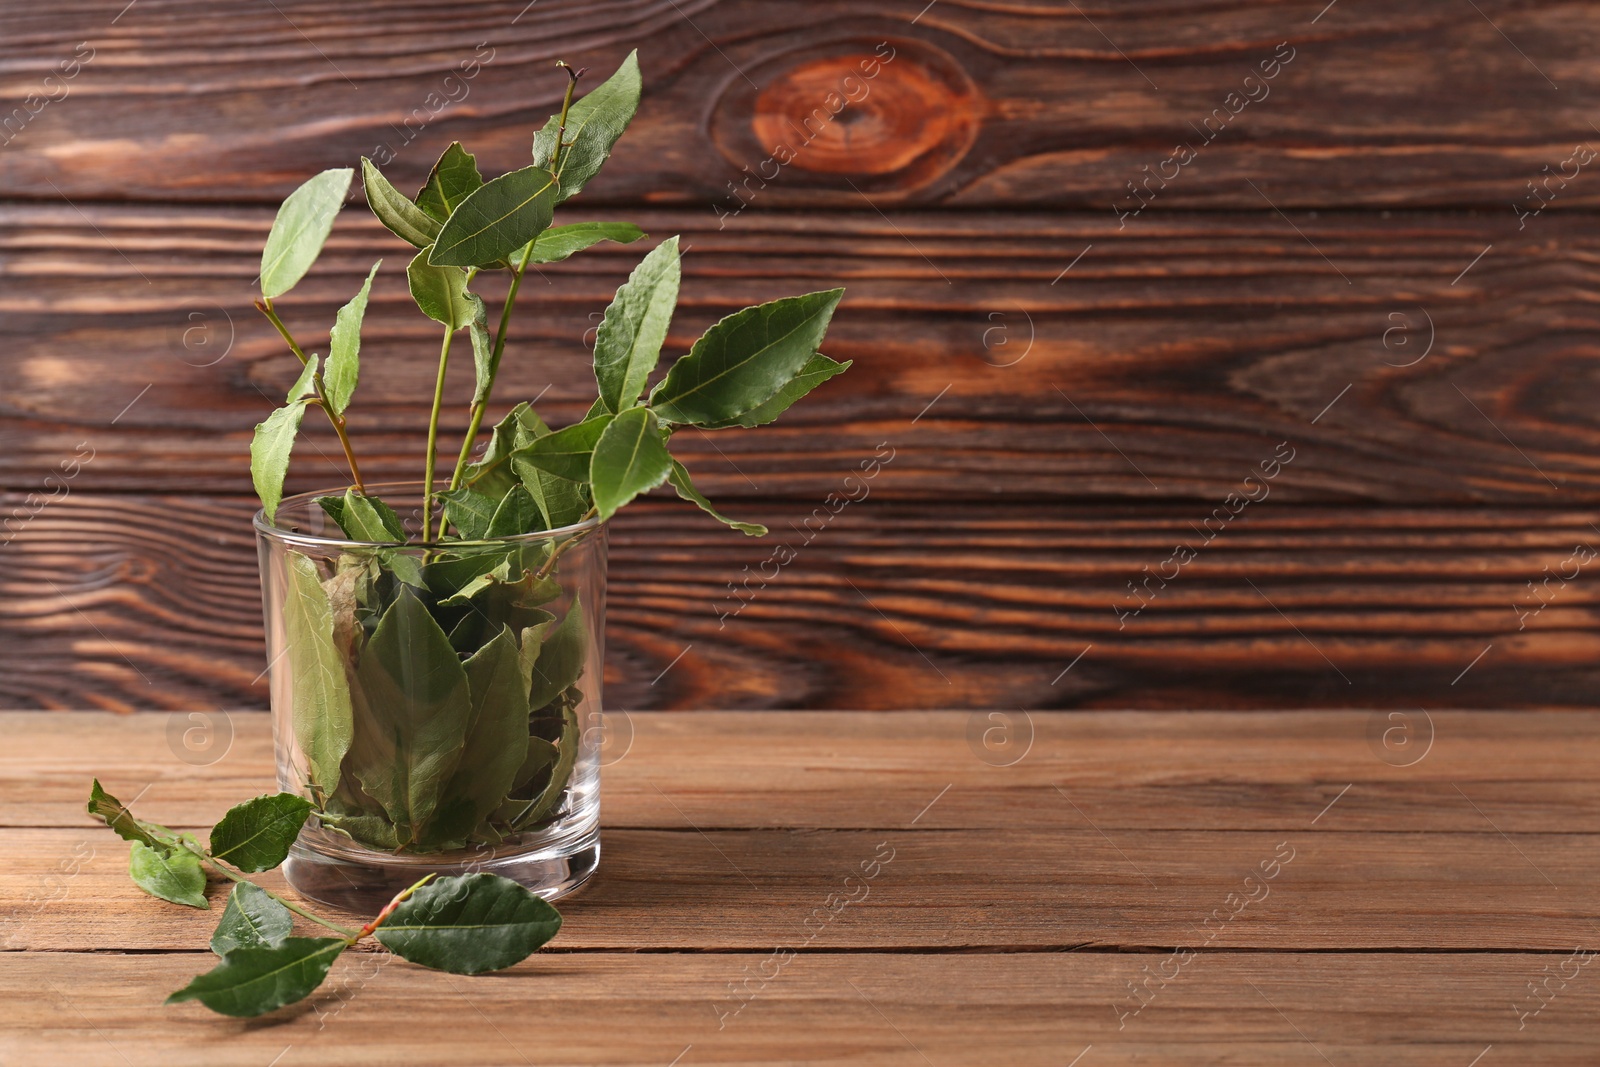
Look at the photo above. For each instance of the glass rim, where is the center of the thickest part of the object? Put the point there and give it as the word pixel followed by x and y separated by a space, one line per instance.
pixel 269 531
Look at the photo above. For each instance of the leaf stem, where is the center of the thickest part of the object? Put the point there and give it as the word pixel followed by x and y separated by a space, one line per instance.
pixel 389 908
pixel 482 404
pixel 433 435
pixel 549 564
pixel 521 268
pixel 337 419
pixel 216 865
pixel 566 106
pixel 338 428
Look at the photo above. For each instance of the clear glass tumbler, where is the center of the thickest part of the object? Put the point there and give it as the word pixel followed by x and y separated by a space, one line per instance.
pixel 436 703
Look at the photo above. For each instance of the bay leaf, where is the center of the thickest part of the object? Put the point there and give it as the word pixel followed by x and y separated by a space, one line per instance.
pixel 496 220
pixel 471 511
pixel 517 514
pixel 559 242
pixel 566 453
pixel 594 123
pixel 300 230
pixel 469 924
pixel 369 519
pixel 414 711
pixel 306 384
pixel 252 981
pixel 441 292
pixel 403 218
pixel 344 347
pixel 252 919
pixel 496 737
pixel 629 459
pixel 115 814
pixel 549 799
pixel 679 477
pixel 269 454
pixel 744 360
pixel 492 475
pixel 561 501
pixel 454 177
pixel 560 660
pixel 168 872
pixel 818 369
pixel 319 688
pixel 628 343
pixel 256 835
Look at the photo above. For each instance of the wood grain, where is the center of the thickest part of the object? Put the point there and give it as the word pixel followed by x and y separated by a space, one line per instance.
pixel 130 601
pixel 1396 932
pixel 1360 1010
pixel 980 105
pixel 1169 362
pixel 1448 772
pixel 1048 889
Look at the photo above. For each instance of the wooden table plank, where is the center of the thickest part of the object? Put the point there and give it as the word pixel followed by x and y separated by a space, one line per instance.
pixel 779 770
pixel 1016 888
pixel 824 1008
pixel 999 926
pixel 1381 103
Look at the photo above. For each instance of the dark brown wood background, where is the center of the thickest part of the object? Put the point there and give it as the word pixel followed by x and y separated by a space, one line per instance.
pixel 1342 269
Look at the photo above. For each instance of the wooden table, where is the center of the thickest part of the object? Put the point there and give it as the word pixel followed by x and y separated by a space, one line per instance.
pixel 1372 898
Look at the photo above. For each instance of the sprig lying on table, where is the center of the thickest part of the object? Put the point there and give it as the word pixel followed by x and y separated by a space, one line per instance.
pixel 465 924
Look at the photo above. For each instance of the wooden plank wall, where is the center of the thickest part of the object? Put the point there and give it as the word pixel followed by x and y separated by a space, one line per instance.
pixel 1345 286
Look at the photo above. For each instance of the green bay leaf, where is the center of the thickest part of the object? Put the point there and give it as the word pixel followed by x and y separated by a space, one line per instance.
pixel 744 360
pixel 628 343
pixel 171 873
pixel 252 919
pixel 344 347
pixel 496 738
pixel 269 454
pixel 566 453
pixel 469 924
pixel 300 230
pixel 441 292
pixel 566 755
pixel 306 384
pixel 560 660
pixel 818 369
pixel 252 981
pixel 318 686
pixel 453 178
pixel 594 123
pixel 559 242
pixel 484 362
pixel 470 511
pixel 629 459
pixel 256 835
pixel 403 218
pixel 115 814
pixel 367 518
pixel 685 488
pixel 493 474
pixel 561 501
pixel 517 514
pixel 413 712
pixel 496 220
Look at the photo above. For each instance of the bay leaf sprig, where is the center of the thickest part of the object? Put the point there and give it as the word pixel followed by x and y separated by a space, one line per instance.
pixel 745 371
pixel 436 673
pixel 464 924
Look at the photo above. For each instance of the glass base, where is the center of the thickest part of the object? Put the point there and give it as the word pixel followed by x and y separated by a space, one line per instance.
pixel 363 881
